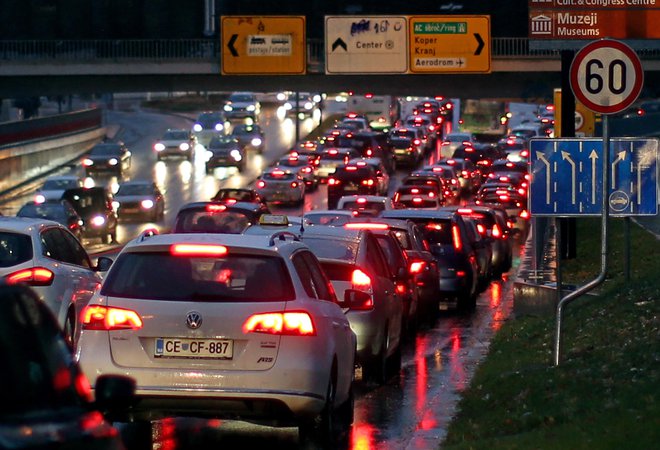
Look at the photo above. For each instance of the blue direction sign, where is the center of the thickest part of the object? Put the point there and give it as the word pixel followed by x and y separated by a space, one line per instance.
pixel 567 177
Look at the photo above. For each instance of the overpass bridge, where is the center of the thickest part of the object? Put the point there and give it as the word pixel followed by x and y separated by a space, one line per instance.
pixel 52 67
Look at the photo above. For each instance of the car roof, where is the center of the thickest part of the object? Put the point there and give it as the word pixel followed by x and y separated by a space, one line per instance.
pixel 24 224
pixel 369 198
pixel 416 214
pixel 332 232
pixel 238 206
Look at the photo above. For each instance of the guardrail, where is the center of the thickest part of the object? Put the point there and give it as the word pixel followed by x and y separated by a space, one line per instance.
pixel 207 49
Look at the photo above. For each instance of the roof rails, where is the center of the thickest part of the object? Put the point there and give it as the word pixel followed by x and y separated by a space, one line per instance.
pixel 146 234
pixel 282 235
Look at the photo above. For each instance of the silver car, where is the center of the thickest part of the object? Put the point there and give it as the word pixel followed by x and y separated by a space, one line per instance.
pixel 224 326
pixel 281 186
pixel 177 143
pixel 46 256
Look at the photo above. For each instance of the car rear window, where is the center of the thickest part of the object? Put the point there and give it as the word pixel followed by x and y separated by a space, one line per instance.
pixel 401 142
pixel 15 248
pixel 229 278
pixel 418 202
pixel 44 211
pixel 202 221
pixel 436 231
pixel 105 150
pixel 357 173
pixel 370 206
pixel 324 247
pixel 279 177
pixel 337 272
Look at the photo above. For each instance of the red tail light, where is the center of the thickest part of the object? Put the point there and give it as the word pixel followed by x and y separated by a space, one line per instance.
pixel 215 208
pixel 497 232
pixel 285 323
pixel 456 235
pixel 525 214
pixel 366 226
pixel 360 280
pixel 294 184
pixel 333 181
pixel 370 152
pixel 34 276
pixel 521 191
pixel 416 267
pixel 417 142
pixel 401 288
pixel 460 273
pixel 95 317
pixel 368 182
pixel 261 184
pixel 524 153
pixel 481 229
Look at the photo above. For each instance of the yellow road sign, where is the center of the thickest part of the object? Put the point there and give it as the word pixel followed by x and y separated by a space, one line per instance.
pixel 254 45
pixel 449 44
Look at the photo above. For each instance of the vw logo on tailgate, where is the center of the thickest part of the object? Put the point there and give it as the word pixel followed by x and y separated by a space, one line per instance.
pixel 193 320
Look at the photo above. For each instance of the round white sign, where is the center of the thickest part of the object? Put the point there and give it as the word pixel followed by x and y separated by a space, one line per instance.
pixel 606 76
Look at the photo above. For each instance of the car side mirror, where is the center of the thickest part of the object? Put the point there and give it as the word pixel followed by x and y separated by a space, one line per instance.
pixel 103 263
pixel 354 299
pixel 114 393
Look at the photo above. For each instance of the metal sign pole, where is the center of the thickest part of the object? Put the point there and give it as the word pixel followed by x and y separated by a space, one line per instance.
pixel 604 234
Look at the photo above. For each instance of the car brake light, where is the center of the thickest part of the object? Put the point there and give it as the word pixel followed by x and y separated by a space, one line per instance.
pixel 521 191
pixel 34 276
pixel 460 273
pixel 416 267
pixel 401 288
pixel 361 200
pixel 464 173
pixel 277 173
pixel 524 214
pixel 369 152
pixel 368 182
pixel 366 226
pixel 294 184
pixel 414 191
pixel 497 232
pixel 417 142
pixel 464 211
pixel 197 250
pixel 458 245
pixel 215 208
pixel 283 323
pixel 481 229
pixel 417 200
pixel 107 318
pixel 360 280
pixel 261 184
pixel 333 181
pixel 351 168
pixel 524 153
pixel 306 169
pixel 83 388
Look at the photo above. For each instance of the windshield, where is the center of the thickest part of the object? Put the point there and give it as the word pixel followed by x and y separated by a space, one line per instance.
pixel 244 98
pixel 233 277
pixel 135 189
pixel 105 150
pixel 53 185
pixel 324 247
pixel 176 136
pixel 210 120
pixel 246 129
pixel 202 221
pixel 44 211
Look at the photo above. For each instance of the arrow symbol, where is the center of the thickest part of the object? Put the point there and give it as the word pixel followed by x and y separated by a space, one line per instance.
pixel 541 157
pixel 230 44
pixel 621 156
pixel 480 43
pixel 339 43
pixel 593 156
pixel 567 157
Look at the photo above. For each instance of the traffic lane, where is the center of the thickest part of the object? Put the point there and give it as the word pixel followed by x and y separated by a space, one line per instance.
pixel 412 410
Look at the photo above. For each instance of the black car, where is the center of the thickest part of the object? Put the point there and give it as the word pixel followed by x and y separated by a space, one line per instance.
pixel 95 207
pixel 60 211
pixel 112 157
pixel 217 217
pixel 447 235
pixel 230 196
pixel 250 136
pixel 225 151
pixel 46 399
pixel 375 144
pixel 350 179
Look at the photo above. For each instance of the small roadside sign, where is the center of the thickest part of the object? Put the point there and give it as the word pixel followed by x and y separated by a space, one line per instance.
pixel 366 44
pixel 606 76
pixel 253 45
pixel 449 44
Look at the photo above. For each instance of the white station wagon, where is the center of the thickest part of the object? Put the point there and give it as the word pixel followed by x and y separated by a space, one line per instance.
pixel 225 326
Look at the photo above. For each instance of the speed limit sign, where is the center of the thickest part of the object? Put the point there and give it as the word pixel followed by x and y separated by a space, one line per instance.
pixel 606 76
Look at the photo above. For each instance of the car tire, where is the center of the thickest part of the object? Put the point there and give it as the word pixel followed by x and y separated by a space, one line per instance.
pixel 137 435
pixel 69 329
pixel 320 430
pixel 377 368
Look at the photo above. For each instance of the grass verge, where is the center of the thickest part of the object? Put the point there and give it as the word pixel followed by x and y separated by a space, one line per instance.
pixel 604 394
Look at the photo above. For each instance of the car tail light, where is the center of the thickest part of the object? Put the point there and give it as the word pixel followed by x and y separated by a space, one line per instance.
pixel 107 318
pixel 417 200
pixel 467 143
pixel 351 168
pixel 306 170
pixel 503 197
pixel 277 173
pixel 446 142
pixel 84 389
pixel 366 226
pixel 197 250
pixel 460 273
pixel 370 152
pixel 481 229
pixel 87 162
pixel 333 181
pixel 283 323
pixel 360 280
pixel 416 267
pixel 368 182
pixel 509 224
pixel 34 276
pixel 524 153
pixel 261 184
pixel 497 232
pixel 521 191
pixel 417 142
pixel 39 198
pixel 464 211
pixel 524 214
pixel 401 288
pixel 504 179
pixel 294 184
pixel 437 169
pixel 456 235
pixel 215 208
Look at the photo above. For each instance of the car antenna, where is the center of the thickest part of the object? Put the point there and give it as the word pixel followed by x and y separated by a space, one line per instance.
pixel 302 223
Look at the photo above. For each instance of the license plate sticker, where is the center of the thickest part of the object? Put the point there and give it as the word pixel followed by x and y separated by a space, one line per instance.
pixel 194 348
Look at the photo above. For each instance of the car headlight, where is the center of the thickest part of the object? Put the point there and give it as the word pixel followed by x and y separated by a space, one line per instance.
pixel 309 105
pixel 39 198
pixel 87 162
pixel 113 161
pixel 98 221
pixel 208 155
pixel 147 204
pixel 251 108
pixel 219 126
pixel 184 146
pixel 256 142
pixel 236 155
pixel 228 108
pixel 197 127
pixel 281 96
pixel 116 205
pixel 159 147
pixel 288 106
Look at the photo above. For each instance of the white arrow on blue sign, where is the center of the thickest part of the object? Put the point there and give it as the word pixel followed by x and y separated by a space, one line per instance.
pixel 567 177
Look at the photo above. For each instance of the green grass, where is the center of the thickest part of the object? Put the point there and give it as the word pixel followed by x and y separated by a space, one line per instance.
pixel 605 393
